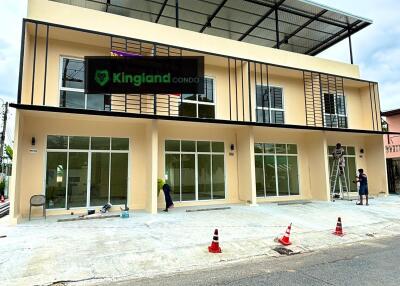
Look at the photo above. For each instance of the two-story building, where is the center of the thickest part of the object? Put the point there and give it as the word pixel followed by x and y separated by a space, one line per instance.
pixel 261 131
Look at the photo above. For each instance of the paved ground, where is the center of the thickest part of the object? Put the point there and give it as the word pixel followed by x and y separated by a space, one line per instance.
pixel 358 264
pixel 43 252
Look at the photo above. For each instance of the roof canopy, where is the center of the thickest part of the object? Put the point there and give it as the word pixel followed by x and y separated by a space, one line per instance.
pixel 299 26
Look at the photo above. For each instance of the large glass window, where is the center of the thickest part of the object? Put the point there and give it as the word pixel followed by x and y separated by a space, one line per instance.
pixel 76 162
pixel 350 166
pixel 72 85
pixel 276 169
pixel 269 108
pixel 56 179
pixel 199 105
pixel 335 110
pixel 195 170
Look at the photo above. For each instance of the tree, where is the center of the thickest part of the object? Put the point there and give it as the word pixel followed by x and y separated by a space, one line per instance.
pixel 9 152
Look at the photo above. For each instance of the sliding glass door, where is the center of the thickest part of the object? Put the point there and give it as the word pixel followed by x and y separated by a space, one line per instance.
pixel 195 170
pixel 86 171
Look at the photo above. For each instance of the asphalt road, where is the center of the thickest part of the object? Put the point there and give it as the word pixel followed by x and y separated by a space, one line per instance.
pixel 374 262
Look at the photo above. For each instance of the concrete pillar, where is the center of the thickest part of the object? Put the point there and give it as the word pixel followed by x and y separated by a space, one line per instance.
pixel 376 165
pixel 152 167
pixel 14 189
pixel 246 165
pixel 317 153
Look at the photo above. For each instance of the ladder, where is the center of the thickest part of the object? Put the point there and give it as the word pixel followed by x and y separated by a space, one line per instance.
pixel 334 178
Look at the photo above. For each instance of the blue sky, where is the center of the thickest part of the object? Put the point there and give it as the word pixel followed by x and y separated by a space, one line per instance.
pixel 376 48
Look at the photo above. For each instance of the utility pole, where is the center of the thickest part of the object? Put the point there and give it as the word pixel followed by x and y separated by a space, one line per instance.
pixel 3 133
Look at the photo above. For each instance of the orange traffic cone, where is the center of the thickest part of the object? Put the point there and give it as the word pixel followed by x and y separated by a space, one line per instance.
pixel 2 199
pixel 339 230
pixel 285 238
pixel 214 247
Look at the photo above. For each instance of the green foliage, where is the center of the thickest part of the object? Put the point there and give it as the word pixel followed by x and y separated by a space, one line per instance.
pixel 160 184
pixel 9 151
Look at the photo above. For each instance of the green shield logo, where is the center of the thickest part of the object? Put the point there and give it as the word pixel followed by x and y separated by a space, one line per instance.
pixel 101 77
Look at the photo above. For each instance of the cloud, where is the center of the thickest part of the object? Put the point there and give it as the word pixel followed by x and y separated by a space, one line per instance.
pixel 376 48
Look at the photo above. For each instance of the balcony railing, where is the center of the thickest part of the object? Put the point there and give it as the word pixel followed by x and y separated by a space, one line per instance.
pixel 247 90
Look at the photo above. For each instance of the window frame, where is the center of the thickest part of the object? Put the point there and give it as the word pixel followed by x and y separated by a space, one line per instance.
pixel 270 109
pixel 197 102
pixel 275 155
pixel 195 153
pixel 89 151
pixel 335 115
pixel 62 88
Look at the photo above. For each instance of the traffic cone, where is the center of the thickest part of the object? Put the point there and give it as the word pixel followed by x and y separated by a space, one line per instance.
pixel 285 238
pixel 2 199
pixel 339 230
pixel 214 247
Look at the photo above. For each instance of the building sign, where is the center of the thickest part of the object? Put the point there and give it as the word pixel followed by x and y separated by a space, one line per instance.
pixel 151 75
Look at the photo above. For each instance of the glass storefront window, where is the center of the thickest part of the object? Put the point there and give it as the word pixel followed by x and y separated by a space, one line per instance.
pixel 276 170
pixel 100 143
pixel 79 142
pixel 56 179
pixel 350 166
pixel 68 176
pixel 197 171
pixel 57 142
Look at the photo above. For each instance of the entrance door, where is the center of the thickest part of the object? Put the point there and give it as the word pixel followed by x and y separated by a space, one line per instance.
pixel 393 173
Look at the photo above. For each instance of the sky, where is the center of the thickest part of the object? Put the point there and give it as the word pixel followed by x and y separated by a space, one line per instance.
pixel 376 49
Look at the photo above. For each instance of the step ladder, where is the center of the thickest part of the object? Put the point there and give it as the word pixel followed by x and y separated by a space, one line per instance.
pixel 335 178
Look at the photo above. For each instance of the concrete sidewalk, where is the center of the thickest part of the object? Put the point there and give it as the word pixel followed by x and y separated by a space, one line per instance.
pixel 87 252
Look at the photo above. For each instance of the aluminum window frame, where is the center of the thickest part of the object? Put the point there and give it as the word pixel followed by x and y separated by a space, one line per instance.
pixel 197 102
pixel 196 153
pixel 275 155
pixel 270 109
pixel 89 151
pixel 335 115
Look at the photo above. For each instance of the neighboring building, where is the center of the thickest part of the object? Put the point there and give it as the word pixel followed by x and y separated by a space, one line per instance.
pixel 262 130
pixel 392 148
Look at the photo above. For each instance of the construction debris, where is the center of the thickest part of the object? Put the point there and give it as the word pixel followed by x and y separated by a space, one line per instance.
pixel 87 217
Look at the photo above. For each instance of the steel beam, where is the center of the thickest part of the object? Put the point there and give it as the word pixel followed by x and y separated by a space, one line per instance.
pixel 259 21
pixel 212 16
pixel 161 11
pixel 295 32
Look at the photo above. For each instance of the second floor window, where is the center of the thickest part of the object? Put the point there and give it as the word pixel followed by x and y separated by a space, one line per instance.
pixel 72 86
pixel 199 105
pixel 335 111
pixel 269 104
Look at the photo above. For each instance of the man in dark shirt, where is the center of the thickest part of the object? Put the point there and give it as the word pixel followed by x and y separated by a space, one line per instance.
pixel 363 190
pixel 167 194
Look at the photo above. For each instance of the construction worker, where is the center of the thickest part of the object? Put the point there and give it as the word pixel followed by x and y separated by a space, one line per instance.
pixel 363 189
pixel 338 154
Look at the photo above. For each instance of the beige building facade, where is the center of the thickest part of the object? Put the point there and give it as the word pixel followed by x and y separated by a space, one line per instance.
pixel 262 131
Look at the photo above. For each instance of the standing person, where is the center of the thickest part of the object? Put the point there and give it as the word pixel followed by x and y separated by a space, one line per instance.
pixel 363 190
pixel 338 154
pixel 167 194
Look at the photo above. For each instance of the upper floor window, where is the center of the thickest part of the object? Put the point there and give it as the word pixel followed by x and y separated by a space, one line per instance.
pixel 199 105
pixel 335 110
pixel 72 84
pixel 269 104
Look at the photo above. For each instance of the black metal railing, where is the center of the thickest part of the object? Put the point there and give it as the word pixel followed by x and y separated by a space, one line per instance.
pixel 249 90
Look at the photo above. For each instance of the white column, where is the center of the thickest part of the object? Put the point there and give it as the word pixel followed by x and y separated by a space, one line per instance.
pixel 246 165
pixel 152 167
pixel 14 190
